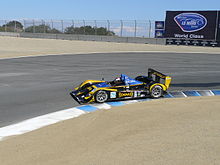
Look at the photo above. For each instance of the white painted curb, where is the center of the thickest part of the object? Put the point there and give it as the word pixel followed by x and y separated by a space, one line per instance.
pixel 39 122
pixel 51 118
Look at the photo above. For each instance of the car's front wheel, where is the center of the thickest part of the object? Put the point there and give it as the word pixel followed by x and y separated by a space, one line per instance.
pixel 156 91
pixel 101 96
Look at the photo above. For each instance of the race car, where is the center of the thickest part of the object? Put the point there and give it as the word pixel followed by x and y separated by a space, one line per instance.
pixel 154 85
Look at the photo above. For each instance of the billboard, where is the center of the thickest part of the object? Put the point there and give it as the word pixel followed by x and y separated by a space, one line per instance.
pixel 192 25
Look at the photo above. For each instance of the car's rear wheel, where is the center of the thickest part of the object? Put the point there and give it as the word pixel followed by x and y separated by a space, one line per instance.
pixel 101 96
pixel 156 91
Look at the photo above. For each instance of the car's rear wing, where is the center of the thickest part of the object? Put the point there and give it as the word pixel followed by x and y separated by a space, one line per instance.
pixel 157 76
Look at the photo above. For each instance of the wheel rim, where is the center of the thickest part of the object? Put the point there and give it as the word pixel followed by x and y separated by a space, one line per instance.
pixel 101 96
pixel 156 92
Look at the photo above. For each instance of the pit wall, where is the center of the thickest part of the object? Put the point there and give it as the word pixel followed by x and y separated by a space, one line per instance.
pixel 87 38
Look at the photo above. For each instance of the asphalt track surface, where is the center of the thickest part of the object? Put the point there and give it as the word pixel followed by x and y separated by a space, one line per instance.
pixel 34 86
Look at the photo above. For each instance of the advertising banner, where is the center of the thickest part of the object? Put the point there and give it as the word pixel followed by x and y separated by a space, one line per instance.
pixel 159 29
pixel 210 43
pixel 159 25
pixel 159 33
pixel 190 25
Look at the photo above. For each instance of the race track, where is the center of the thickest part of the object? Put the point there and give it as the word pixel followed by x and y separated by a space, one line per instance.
pixel 34 86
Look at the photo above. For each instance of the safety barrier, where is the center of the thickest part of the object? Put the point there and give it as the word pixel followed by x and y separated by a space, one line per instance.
pixel 95 38
pixel 140 40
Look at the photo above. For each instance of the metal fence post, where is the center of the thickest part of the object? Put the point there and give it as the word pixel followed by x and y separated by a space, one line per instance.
pixel 73 26
pixel 95 27
pixel 62 30
pixel 84 25
pixel 43 24
pixel 135 28
pixel 51 23
pixel 15 26
pixel 149 28
pixel 24 25
pixel 108 24
pixel 121 28
pixel 5 25
pixel 34 26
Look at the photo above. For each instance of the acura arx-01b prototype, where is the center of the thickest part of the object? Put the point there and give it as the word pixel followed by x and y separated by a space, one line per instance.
pixel 154 85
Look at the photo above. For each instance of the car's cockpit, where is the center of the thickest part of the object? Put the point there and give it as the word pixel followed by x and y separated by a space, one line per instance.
pixel 124 80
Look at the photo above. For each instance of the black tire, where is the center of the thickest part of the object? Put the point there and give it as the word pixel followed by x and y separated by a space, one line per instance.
pixel 101 96
pixel 156 91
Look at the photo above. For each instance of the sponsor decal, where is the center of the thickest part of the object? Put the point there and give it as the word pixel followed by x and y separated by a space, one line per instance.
pixel 213 43
pixel 125 94
pixel 137 93
pixel 159 25
pixel 113 95
pixel 193 42
pixel 191 22
pixel 191 36
pixel 159 33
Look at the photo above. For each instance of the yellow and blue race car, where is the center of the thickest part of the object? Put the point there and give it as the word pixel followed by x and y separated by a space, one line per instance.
pixel 154 85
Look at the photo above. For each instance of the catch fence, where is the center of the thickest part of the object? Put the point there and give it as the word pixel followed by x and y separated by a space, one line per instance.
pixel 122 28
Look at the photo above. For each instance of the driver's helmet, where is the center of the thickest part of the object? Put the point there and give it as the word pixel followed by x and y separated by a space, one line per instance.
pixel 117 81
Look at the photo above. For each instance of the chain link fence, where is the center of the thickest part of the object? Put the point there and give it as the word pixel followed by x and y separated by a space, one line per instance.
pixel 122 28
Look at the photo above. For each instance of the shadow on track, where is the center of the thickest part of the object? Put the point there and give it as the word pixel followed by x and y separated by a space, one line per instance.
pixel 196 84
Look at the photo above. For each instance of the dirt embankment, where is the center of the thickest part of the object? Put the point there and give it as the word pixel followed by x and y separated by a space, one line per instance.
pixel 16 47
pixel 166 131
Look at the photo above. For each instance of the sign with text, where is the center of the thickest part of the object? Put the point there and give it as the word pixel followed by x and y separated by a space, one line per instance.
pixel 202 25
pixel 159 29
pixel 209 43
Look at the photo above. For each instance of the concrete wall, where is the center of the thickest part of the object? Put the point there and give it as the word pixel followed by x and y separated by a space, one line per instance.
pixel 88 38
pixel 11 34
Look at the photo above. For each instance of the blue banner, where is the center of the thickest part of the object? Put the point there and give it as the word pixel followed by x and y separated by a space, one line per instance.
pixel 159 29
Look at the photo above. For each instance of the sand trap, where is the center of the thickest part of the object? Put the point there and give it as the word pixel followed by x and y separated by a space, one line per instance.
pixel 15 47
pixel 169 131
